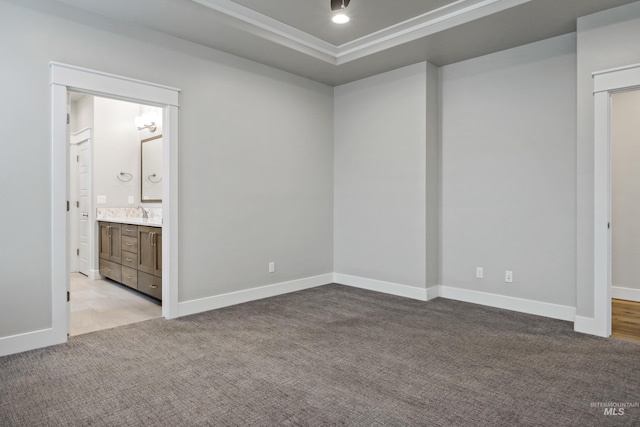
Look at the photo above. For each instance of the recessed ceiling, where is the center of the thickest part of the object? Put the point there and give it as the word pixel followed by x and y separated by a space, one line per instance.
pixel 367 16
pixel 298 36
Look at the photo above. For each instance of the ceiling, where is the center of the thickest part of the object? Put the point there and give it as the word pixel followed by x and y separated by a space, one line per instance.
pixel 298 35
pixel 367 16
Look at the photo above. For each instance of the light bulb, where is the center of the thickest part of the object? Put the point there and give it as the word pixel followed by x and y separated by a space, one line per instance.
pixel 340 18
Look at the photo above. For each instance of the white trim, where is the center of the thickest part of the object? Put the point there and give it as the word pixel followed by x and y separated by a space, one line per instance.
pixel 605 83
pixel 273 30
pixel 615 79
pixel 95 82
pixel 554 311
pixel 406 291
pixel 628 294
pixel 588 325
pixel 232 298
pixel 448 16
pixel 443 18
pixel 601 217
pixel 29 341
pixel 80 136
pixel 63 78
pixel 95 275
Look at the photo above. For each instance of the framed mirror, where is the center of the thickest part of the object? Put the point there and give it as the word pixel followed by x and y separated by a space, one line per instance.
pixel 151 168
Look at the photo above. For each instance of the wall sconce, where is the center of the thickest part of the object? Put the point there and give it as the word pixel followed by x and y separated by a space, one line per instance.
pixel 147 121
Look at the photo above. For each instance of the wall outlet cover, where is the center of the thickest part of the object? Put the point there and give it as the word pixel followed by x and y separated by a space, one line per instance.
pixel 508 276
pixel 102 200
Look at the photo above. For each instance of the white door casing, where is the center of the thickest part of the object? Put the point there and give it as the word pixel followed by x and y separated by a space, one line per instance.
pixel 68 77
pixel 605 84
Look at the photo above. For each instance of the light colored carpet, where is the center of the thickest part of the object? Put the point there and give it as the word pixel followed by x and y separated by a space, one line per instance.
pixel 332 355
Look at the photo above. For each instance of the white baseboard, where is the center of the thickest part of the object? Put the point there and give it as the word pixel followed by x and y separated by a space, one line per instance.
pixel 232 298
pixel 95 275
pixel 538 308
pixel 29 341
pixel 412 292
pixel 628 294
pixel 588 325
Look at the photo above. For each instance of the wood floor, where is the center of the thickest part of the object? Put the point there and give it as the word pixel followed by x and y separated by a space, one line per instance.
pixel 103 304
pixel 625 320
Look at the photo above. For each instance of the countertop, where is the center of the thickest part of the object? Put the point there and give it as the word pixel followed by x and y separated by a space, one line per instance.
pixel 133 221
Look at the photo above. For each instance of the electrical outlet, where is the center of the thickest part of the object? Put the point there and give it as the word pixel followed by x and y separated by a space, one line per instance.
pixel 272 267
pixel 508 276
pixel 101 200
pixel 479 273
pixel 130 200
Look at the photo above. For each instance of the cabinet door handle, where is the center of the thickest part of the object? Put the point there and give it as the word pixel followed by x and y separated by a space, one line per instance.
pixel 128 244
pixel 128 259
pixel 129 230
pixel 153 286
pixel 151 238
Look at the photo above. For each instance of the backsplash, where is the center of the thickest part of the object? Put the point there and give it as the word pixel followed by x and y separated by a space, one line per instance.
pixel 154 214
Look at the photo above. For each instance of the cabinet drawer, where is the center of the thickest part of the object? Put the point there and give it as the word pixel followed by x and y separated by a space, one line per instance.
pixel 129 230
pixel 130 277
pixel 129 259
pixel 150 285
pixel 111 270
pixel 130 244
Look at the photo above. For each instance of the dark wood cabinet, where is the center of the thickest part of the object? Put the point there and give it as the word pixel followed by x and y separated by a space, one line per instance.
pixel 150 250
pixel 109 246
pixel 132 255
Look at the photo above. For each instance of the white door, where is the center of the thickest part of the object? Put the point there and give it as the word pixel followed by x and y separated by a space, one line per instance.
pixel 83 186
pixel 84 198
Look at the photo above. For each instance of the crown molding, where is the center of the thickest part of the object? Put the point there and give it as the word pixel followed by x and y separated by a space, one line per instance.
pixel 443 18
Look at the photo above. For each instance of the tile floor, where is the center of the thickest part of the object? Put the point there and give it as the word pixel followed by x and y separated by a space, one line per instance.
pixel 103 304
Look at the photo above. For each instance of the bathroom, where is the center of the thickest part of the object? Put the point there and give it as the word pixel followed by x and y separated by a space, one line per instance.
pixel 115 212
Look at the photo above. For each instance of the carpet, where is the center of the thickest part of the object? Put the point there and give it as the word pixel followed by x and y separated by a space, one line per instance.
pixel 331 355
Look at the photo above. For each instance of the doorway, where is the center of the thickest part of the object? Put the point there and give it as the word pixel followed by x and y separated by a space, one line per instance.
pixel 607 84
pixel 65 78
pixel 106 136
pixel 625 211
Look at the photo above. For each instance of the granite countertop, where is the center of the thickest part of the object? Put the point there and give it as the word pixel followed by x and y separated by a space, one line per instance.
pixel 133 221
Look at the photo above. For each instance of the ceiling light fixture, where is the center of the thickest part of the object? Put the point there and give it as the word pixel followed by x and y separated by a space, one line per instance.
pixel 340 17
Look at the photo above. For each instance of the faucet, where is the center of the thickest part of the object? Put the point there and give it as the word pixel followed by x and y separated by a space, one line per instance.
pixel 145 215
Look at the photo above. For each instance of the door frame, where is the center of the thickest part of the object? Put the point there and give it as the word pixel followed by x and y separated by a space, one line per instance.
pixel 605 84
pixel 66 78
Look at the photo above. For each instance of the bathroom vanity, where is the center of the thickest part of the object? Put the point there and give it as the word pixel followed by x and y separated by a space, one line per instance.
pixel 130 252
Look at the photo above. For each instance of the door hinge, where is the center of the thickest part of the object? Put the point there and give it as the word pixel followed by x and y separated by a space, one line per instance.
pixel 77 204
pixel 68 296
pixel 67 206
pixel 609 225
pixel 78 252
pixel 68 119
pixel 78 158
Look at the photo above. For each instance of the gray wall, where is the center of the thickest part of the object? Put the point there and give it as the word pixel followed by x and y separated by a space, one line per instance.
pixel 508 172
pixel 625 190
pixel 606 40
pixel 116 148
pixel 380 177
pixel 255 147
